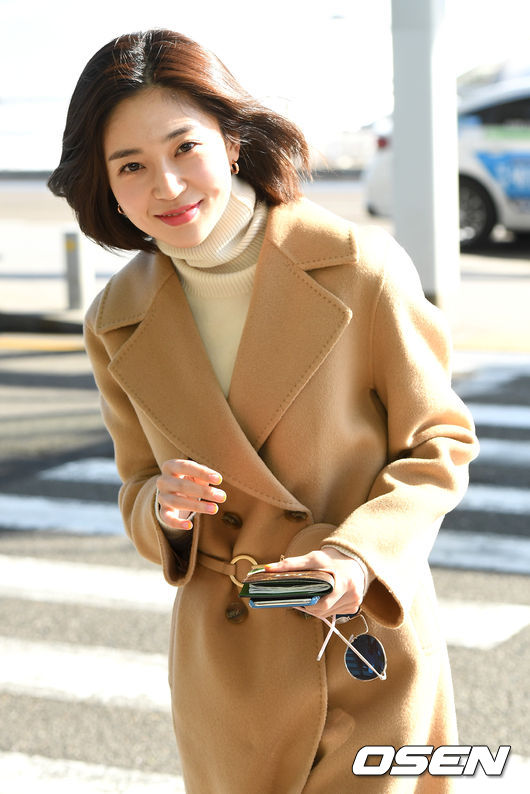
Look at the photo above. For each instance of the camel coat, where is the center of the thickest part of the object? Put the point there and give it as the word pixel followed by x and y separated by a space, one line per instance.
pixel 340 427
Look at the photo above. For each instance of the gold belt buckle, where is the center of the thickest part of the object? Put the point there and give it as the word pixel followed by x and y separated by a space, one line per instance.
pixel 235 560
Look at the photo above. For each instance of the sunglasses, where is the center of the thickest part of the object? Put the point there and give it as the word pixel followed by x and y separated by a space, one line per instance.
pixel 365 657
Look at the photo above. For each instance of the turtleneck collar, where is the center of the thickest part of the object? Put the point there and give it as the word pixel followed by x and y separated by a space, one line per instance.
pixel 234 243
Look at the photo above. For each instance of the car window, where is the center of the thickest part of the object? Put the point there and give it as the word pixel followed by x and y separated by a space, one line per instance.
pixel 514 113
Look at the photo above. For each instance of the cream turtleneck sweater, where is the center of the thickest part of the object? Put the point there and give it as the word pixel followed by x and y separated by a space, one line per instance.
pixel 218 274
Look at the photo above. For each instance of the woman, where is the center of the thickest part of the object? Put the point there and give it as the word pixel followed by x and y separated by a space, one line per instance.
pixel 259 341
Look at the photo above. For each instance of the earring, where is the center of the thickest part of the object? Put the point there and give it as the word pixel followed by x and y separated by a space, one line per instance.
pixel 120 210
pixel 234 167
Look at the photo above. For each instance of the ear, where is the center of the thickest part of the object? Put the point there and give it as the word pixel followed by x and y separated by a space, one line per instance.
pixel 232 150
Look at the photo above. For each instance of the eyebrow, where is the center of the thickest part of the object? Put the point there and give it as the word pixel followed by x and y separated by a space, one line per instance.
pixel 121 153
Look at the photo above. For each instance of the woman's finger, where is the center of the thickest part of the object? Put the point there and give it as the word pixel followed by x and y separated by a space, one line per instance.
pixel 345 605
pixel 173 520
pixel 178 467
pixel 315 560
pixel 174 501
pixel 189 489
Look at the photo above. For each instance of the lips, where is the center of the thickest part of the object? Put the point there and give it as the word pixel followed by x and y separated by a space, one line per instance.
pixel 180 215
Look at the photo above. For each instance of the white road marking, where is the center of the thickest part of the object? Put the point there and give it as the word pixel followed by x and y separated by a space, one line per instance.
pixel 482 373
pixel 128 679
pixel 92 674
pixel 497 499
pixel 21 773
pixel 105 586
pixel 508 453
pixel 103 470
pixel 20 512
pixel 90 470
pixel 469 624
pixel 59 515
pixel 500 415
pixel 481 551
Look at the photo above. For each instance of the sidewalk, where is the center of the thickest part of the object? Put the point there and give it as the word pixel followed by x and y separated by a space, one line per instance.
pixel 490 313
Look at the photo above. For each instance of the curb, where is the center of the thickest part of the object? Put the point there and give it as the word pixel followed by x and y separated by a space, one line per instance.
pixel 67 323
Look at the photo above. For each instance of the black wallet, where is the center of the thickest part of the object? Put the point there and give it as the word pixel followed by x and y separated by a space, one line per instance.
pixel 285 588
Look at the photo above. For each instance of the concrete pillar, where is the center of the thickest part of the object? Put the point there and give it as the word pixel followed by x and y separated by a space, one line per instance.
pixel 425 144
pixel 80 278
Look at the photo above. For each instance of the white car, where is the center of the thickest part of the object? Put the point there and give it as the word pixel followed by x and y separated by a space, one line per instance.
pixel 494 163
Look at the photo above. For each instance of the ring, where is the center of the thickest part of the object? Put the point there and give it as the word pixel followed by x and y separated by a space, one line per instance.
pixel 235 560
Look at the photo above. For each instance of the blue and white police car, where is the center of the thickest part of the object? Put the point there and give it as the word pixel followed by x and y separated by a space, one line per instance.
pixel 494 163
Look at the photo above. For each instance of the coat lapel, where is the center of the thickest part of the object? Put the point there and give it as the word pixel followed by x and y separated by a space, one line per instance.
pixel 179 392
pixel 292 324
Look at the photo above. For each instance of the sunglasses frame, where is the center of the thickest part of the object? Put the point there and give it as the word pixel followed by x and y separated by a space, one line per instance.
pixel 353 637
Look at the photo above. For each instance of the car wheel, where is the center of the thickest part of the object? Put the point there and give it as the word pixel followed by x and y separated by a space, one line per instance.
pixel 477 213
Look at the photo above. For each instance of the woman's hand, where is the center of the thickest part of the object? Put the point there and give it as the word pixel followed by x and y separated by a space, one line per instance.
pixel 347 595
pixel 186 487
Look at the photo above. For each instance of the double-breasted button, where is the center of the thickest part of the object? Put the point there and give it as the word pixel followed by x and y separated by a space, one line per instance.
pixel 236 612
pixel 295 515
pixel 232 519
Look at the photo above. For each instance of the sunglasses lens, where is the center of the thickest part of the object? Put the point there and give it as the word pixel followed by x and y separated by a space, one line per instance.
pixel 373 652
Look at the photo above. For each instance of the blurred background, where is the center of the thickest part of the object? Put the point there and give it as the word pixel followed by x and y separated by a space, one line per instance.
pixel 83 632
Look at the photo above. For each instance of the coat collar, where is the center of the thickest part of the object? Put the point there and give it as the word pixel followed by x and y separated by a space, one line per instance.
pixel 290 314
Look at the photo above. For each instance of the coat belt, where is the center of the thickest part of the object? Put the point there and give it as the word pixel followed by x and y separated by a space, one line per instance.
pixel 222 566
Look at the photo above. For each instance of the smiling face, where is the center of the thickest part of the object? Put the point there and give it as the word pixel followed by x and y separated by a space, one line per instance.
pixel 168 166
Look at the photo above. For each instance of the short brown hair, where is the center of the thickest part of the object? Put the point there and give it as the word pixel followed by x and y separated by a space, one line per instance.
pixel 272 149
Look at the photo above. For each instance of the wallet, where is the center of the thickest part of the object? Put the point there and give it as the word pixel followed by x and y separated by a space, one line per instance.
pixel 285 588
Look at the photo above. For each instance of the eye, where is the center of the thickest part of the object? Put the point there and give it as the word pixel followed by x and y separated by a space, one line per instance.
pixel 130 168
pixel 188 146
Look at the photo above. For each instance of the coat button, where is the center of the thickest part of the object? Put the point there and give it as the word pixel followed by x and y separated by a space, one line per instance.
pixel 295 515
pixel 236 612
pixel 232 519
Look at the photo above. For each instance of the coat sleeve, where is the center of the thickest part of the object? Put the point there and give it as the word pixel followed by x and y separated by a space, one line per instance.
pixel 137 468
pixel 430 434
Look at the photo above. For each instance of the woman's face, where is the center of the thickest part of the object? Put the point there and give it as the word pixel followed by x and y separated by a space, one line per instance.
pixel 168 166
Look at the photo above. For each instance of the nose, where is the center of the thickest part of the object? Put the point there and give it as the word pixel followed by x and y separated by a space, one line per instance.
pixel 168 183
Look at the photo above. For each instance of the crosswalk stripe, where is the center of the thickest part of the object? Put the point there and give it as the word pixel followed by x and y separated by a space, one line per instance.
pixel 21 512
pixel 93 674
pixel 512 452
pixel 129 679
pixel 90 470
pixel 69 515
pixel 124 678
pixel 117 588
pixel 496 498
pixel 486 414
pixel 468 624
pixel 481 551
pixel 508 453
pixel 104 586
pixel 21 773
